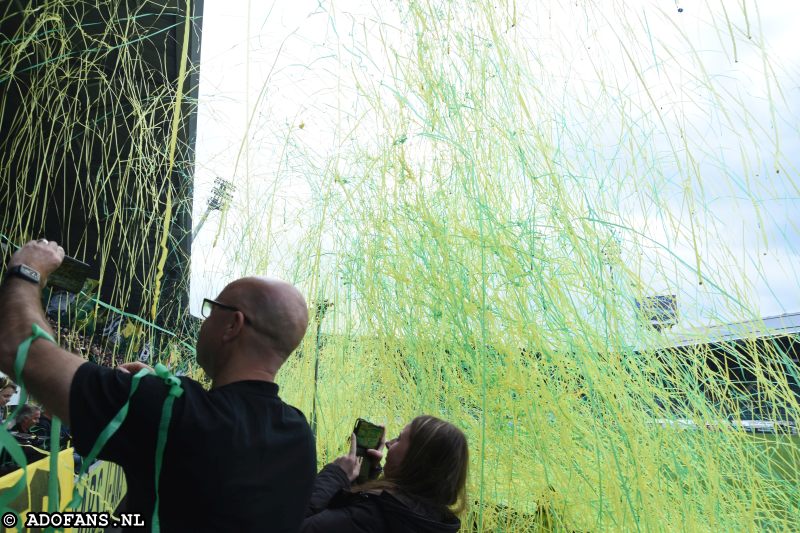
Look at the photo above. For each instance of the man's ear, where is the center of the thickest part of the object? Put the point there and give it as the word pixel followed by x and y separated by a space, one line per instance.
pixel 234 327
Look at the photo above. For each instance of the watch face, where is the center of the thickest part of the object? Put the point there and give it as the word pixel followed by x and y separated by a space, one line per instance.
pixel 25 272
pixel 29 272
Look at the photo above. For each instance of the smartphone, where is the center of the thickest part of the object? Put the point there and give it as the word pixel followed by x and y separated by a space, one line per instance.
pixel 368 436
pixel 70 276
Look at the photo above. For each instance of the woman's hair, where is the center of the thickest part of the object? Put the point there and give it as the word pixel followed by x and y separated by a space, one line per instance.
pixel 5 382
pixel 434 468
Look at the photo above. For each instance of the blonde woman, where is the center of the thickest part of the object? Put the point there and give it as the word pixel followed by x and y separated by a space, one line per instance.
pixel 7 389
pixel 422 487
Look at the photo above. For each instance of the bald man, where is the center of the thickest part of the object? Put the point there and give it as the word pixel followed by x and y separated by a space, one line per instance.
pixel 237 458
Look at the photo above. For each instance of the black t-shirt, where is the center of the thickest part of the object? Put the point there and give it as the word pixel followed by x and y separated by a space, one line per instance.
pixel 237 458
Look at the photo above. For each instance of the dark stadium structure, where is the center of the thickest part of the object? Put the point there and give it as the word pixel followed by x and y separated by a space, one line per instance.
pixel 117 66
pixel 727 349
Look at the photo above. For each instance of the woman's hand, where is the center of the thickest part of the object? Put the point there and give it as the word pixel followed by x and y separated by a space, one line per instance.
pixel 376 456
pixel 350 463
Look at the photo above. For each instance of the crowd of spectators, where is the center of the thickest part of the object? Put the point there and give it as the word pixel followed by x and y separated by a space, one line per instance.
pixel 31 425
pixel 85 346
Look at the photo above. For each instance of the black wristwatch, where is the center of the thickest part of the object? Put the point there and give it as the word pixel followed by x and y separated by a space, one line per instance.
pixel 25 272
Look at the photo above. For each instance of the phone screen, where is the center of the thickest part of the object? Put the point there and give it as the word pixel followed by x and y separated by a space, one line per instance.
pixel 368 435
pixel 70 275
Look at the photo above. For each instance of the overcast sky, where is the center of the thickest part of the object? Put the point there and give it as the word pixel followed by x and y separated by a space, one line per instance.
pixel 730 87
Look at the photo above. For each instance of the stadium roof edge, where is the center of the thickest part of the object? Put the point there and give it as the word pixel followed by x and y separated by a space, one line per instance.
pixel 766 327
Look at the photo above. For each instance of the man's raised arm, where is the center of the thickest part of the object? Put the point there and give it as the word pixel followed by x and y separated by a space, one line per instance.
pixel 48 370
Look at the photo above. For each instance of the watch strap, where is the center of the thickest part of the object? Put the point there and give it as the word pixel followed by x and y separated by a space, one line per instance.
pixel 24 272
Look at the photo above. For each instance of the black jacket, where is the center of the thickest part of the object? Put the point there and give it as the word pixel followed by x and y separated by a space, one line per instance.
pixel 333 508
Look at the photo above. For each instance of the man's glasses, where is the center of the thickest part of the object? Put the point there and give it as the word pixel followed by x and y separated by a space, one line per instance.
pixel 208 305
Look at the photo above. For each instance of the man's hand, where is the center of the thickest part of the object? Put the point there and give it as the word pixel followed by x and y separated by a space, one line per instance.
pixel 49 369
pixel 42 255
pixel 134 367
pixel 350 463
